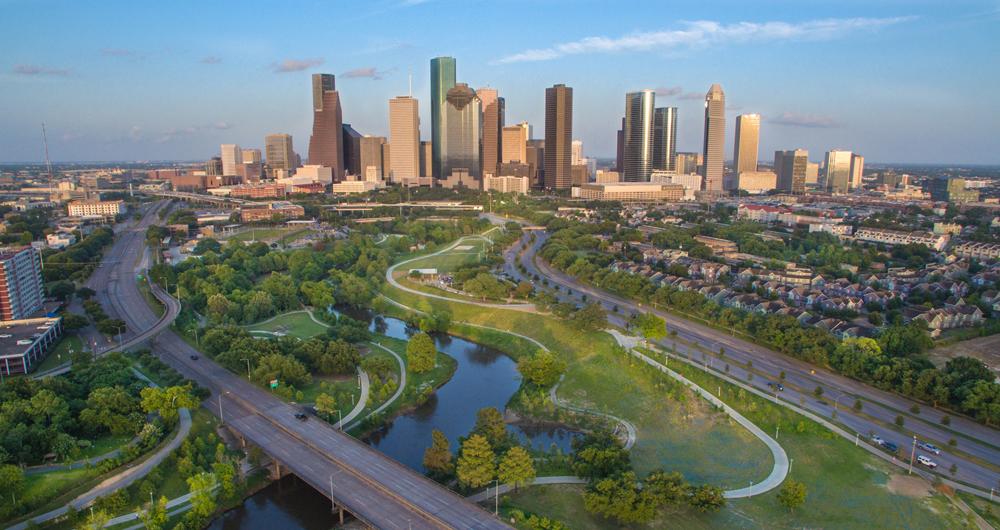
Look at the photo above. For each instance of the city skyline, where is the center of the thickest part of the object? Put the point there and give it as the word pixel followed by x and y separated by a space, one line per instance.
pixel 239 94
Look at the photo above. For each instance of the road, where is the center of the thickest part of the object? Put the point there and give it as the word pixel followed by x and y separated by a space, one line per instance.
pixel 372 486
pixel 977 457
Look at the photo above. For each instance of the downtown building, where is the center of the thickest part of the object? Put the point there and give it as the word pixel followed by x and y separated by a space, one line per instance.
pixel 557 166
pixel 715 139
pixel 326 145
pixel 745 146
pixel 462 134
pixel 404 136
pixel 665 139
pixel 838 171
pixel 637 150
pixel 280 155
pixel 493 124
pixel 26 332
pixel 791 168
pixel 442 80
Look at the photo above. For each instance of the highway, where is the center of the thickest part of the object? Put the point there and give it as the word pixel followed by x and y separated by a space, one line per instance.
pixel 376 489
pixel 976 455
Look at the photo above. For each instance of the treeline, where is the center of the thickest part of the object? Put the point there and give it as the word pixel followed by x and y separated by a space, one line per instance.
pixel 246 283
pixel 900 364
pixel 78 260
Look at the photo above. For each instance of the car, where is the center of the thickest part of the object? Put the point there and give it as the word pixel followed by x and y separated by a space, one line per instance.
pixel 780 387
pixel 301 416
pixel 194 357
pixel 877 440
pixel 929 447
pixel 925 461
pixel 889 446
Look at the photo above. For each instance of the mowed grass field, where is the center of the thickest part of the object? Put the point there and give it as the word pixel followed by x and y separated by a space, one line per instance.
pixel 267 234
pixel 294 323
pixel 467 253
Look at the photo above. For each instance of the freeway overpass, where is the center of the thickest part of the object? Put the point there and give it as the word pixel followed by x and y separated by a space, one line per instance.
pixel 376 489
pixel 224 202
pixel 447 206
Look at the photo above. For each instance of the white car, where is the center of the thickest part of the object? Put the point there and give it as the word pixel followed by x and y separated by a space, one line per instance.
pixel 929 447
pixel 926 461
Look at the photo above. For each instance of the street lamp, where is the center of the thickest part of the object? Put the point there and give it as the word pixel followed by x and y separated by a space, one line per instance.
pixel 221 420
pixel 121 340
pixel 496 498
pixel 248 368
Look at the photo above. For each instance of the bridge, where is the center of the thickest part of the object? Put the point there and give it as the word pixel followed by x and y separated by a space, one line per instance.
pixel 451 206
pixel 224 202
pixel 374 488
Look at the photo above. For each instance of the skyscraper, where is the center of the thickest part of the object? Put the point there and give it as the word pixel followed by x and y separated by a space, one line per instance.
pixel 576 153
pixel 442 80
pixel 715 139
pixel 326 146
pixel 371 161
pixel 251 156
pixel 665 139
pixel 857 170
pixel 279 152
pixel 791 166
pixel 515 144
pixel 426 156
pixel 838 171
pixel 620 152
pixel 637 164
pixel 535 153
pixel 352 150
pixel 22 291
pixel 493 120
pixel 747 142
pixel 232 156
pixel 558 136
pixel 462 135
pixel 404 135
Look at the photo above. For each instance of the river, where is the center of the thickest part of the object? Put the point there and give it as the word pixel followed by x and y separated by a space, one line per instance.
pixel 484 377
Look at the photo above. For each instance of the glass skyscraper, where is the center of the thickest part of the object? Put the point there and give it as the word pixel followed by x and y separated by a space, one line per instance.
pixel 442 80
pixel 665 139
pixel 637 164
pixel 463 132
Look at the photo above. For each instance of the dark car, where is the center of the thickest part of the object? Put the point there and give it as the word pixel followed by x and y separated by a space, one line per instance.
pixel 301 416
pixel 195 357
pixel 891 447
pixel 781 387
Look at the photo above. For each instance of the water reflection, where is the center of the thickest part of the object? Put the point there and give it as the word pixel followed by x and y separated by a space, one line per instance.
pixel 286 503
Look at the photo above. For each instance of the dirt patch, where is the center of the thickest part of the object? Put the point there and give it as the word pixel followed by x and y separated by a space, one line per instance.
pixel 910 486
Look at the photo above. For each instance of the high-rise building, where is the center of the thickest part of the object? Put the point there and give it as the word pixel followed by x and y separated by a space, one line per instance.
pixel 791 166
pixel 665 139
pixel 715 139
pixel 838 171
pixel 812 173
pixel 857 170
pixel 746 144
pixel 515 144
pixel 620 152
pixel 352 150
pixel 527 129
pixel 950 190
pixel 326 145
pixel 493 120
pixel 251 156
pixel 22 291
pixel 213 168
pixel 386 157
pixel 535 153
pixel 688 163
pixel 558 136
pixel 404 134
pixel 442 80
pixel 371 161
pixel 576 153
pixel 279 152
pixel 637 163
pixel 426 158
pixel 462 136
pixel 231 156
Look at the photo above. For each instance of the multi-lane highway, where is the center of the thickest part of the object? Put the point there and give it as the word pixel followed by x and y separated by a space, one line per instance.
pixel 376 489
pixel 976 454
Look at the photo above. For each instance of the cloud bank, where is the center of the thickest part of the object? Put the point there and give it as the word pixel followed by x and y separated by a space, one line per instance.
pixel 811 121
pixel 703 33
pixel 369 72
pixel 295 65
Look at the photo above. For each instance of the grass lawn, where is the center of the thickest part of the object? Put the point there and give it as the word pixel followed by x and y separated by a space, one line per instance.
pixel 336 386
pixel 451 260
pixel 847 487
pixel 267 234
pixel 105 444
pixel 60 353
pixel 986 509
pixel 151 300
pixel 295 324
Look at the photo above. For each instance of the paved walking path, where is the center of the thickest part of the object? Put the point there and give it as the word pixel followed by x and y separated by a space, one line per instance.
pixel 488 493
pixel 630 430
pixel 399 388
pixel 362 401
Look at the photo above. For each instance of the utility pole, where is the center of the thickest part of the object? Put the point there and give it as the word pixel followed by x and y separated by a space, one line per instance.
pixel 248 368
pixel 913 452
pixel 221 420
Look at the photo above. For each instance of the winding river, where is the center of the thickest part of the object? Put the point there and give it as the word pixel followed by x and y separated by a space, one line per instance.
pixel 484 377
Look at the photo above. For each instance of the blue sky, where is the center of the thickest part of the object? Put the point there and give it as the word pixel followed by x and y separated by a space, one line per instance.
pixel 898 81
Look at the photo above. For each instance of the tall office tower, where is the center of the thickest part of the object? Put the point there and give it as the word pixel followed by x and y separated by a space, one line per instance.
pixel 213 168
pixel 251 156
pixel 404 134
pixel 715 139
pixel 493 120
pixel 426 157
pixel 279 152
pixel 442 80
pixel 462 135
pixel 535 154
pixel 576 153
pixel 352 150
pixel 620 153
pixel 838 171
pixel 665 139
pixel 527 129
pixel 326 145
pixel 370 161
pixel 812 173
pixel 387 158
pixel 857 170
pixel 637 161
pixel 515 144
pixel 688 163
pixel 747 142
pixel 22 291
pixel 791 166
pixel 558 136
pixel 231 156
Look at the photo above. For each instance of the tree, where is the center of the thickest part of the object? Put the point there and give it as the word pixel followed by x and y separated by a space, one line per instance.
pixel 792 494
pixel 438 457
pixel 666 488
pixel 114 409
pixel 97 520
pixel 85 293
pixel 591 317
pixel 651 326
pixel 421 353
pixel 599 455
pixel 542 369
pixel 218 308
pixel 707 498
pixel 168 401
pixel 490 424
pixel 326 405
pixel 11 481
pixel 516 467
pixel 61 290
pixel 111 326
pixel 73 321
pixel 202 487
pixel 226 475
pixel 620 498
pixel 283 368
pixel 155 517
pixel 476 465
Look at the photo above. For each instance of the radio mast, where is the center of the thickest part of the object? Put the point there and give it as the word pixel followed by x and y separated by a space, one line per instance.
pixel 45 141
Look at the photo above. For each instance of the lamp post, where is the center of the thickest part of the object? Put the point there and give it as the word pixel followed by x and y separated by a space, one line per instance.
pixel 221 420
pixel 248 368
pixel 913 452
pixel 496 498
pixel 121 340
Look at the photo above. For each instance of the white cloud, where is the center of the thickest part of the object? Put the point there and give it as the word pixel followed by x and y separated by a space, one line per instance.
pixel 369 72
pixel 706 33
pixel 295 65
